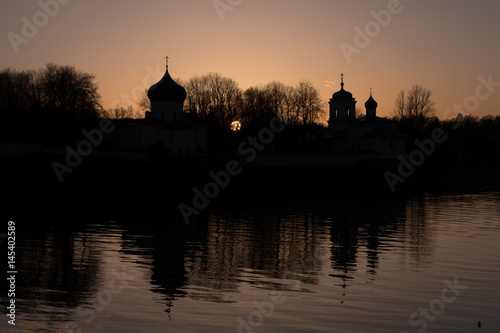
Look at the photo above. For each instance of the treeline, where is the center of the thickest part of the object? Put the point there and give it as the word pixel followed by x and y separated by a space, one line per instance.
pixel 466 128
pixel 52 103
pixel 47 104
pixel 219 98
pixel 468 137
pixel 473 132
pixel 415 114
pixel 470 142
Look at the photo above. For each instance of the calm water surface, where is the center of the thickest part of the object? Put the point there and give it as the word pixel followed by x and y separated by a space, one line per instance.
pixel 363 265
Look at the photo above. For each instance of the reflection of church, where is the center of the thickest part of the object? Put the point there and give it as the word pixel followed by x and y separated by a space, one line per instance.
pixel 370 135
pixel 166 125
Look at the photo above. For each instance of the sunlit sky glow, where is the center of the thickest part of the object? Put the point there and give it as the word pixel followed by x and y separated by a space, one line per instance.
pixel 443 45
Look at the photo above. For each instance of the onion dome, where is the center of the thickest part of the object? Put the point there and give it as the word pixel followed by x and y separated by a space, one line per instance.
pixel 167 90
pixel 371 103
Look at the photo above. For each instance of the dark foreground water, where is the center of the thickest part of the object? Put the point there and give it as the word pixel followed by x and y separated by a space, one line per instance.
pixel 425 263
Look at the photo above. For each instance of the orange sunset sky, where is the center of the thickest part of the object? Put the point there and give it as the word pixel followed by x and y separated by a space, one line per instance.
pixel 387 45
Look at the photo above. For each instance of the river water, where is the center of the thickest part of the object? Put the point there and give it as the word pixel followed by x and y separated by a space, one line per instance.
pixel 423 263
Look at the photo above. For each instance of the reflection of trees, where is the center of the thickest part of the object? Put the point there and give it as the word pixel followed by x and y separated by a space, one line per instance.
pixel 418 237
pixel 266 248
pixel 300 248
pixel 260 247
pixel 213 264
pixel 272 247
pixel 209 258
pixel 56 268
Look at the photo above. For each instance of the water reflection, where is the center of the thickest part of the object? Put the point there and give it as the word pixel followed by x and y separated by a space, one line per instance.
pixel 58 268
pixel 359 232
pixel 267 247
pixel 418 236
pixel 162 248
pixel 212 259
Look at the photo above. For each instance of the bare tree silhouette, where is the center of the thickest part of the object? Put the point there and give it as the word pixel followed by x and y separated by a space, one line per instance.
pixel 414 108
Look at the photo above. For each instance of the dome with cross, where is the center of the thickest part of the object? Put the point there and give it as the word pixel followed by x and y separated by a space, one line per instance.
pixel 342 94
pixel 167 89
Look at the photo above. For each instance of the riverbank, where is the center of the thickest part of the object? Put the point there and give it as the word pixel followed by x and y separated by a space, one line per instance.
pixel 162 183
